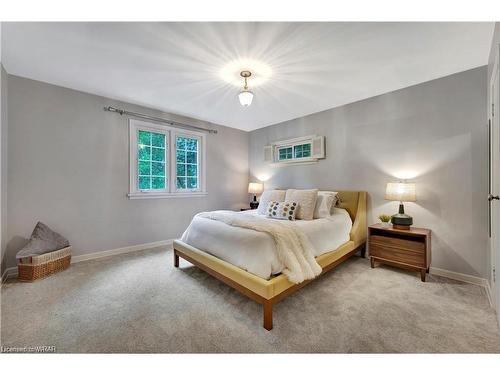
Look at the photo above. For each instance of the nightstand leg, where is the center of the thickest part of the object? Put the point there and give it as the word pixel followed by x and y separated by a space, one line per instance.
pixel 372 262
pixel 363 251
pixel 422 274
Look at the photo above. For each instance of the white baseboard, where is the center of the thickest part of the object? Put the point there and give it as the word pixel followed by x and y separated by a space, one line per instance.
pixel 465 278
pixel 12 271
pixel 120 250
pixel 489 294
pixel 9 273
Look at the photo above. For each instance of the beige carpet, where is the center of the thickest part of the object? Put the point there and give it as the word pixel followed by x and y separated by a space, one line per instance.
pixel 139 302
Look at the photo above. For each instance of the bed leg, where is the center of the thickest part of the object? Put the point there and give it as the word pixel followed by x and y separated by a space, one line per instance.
pixel 363 251
pixel 268 315
pixel 176 260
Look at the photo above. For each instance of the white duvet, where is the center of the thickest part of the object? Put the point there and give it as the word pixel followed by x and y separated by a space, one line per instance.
pixel 254 251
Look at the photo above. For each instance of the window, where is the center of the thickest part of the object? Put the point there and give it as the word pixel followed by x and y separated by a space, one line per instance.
pixel 307 149
pixel 285 153
pixel 165 162
pixel 187 162
pixel 152 160
pixel 298 151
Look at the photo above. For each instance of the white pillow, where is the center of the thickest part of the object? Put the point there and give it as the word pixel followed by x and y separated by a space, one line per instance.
pixel 306 201
pixel 268 196
pixel 324 204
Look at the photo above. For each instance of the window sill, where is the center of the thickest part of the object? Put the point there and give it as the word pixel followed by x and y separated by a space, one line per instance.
pixel 285 163
pixel 166 195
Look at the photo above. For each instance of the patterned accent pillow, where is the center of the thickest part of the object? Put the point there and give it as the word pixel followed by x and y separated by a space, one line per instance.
pixel 282 210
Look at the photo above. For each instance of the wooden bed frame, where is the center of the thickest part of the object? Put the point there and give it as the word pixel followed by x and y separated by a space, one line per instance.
pixel 270 292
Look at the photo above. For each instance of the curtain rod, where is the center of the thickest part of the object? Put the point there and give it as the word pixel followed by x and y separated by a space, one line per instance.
pixel 157 119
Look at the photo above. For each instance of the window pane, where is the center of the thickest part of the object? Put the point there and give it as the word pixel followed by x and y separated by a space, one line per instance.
pixel 181 182
pixel 158 154
pixel 144 152
pixel 158 140
pixel 192 170
pixel 158 169
pixel 192 182
pixel 191 157
pixel 181 156
pixel 181 170
pixel 192 144
pixel 144 168
pixel 158 183
pixel 282 153
pixel 306 150
pixel 298 152
pixel 144 138
pixel 144 183
pixel 181 143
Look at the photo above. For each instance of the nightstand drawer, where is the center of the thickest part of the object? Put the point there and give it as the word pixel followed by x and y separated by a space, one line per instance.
pixel 397 243
pixel 397 254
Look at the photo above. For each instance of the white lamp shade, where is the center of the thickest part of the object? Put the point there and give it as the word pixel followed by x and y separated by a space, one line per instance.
pixel 255 188
pixel 400 191
pixel 245 97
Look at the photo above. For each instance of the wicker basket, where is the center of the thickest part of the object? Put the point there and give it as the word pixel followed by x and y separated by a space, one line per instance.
pixel 38 267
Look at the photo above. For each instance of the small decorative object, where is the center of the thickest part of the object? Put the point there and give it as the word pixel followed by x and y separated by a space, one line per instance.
pixel 385 219
pixel 255 188
pixel 402 192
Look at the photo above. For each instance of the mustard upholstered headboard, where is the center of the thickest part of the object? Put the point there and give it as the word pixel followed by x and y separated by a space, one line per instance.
pixel 355 203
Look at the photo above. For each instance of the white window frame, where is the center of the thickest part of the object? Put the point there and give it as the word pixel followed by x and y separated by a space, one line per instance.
pixel 170 190
pixel 200 161
pixel 292 143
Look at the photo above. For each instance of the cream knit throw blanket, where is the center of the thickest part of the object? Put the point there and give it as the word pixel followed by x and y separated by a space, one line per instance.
pixel 293 248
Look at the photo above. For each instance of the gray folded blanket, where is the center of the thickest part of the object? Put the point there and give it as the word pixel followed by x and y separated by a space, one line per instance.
pixel 43 240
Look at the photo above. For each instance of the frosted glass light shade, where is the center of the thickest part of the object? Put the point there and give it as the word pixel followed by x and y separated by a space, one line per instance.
pixel 245 98
pixel 400 191
pixel 255 188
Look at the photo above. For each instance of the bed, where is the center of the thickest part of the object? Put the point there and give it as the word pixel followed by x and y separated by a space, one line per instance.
pixel 252 269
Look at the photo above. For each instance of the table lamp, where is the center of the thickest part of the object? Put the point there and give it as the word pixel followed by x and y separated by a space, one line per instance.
pixel 402 192
pixel 255 188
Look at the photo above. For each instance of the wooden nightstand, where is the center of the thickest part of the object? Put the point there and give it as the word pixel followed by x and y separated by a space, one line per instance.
pixel 409 249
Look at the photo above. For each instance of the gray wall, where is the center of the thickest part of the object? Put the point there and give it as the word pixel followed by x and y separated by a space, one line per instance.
pixel 3 166
pixel 68 166
pixel 433 133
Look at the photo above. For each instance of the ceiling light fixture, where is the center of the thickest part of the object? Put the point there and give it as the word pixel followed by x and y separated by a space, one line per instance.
pixel 245 96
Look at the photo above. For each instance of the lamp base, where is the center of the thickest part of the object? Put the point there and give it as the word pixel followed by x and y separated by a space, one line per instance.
pixel 254 205
pixel 401 221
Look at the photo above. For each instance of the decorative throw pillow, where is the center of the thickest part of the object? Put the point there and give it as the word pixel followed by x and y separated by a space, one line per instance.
pixel 268 196
pixel 282 210
pixel 306 201
pixel 324 204
pixel 43 240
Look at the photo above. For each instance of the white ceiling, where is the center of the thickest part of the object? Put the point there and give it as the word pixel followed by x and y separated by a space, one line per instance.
pixel 178 67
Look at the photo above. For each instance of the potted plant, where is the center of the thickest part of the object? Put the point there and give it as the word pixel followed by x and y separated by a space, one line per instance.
pixel 385 219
